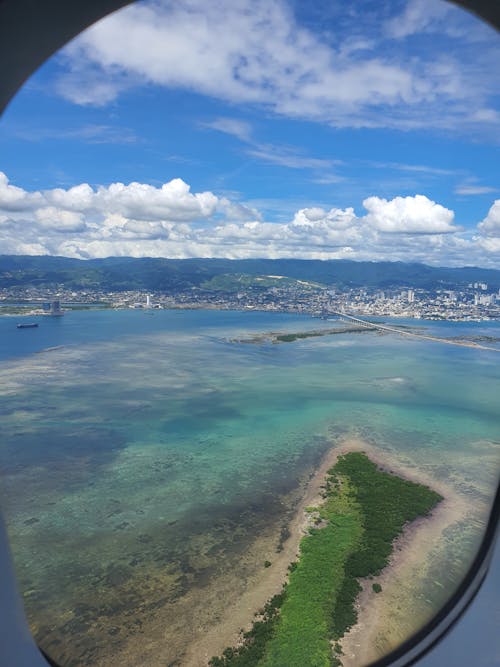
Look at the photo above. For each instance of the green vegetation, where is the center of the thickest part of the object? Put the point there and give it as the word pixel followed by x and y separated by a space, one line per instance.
pixel 377 588
pixel 365 508
pixel 250 653
pixel 284 535
pixel 235 282
pixel 157 274
pixel 291 337
pixel 272 337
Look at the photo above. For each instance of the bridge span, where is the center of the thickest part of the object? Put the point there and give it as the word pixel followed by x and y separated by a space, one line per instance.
pixel 404 332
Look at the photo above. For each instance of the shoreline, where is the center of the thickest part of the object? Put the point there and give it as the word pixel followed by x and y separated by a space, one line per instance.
pixel 241 613
pixel 390 617
pixel 419 321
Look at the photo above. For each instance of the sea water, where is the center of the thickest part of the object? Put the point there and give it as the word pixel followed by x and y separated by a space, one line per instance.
pixel 145 453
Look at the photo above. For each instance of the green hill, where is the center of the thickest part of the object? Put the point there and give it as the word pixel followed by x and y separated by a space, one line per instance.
pixel 158 274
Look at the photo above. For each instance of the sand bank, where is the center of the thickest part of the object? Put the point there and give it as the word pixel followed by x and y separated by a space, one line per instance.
pixel 388 618
pixel 385 619
pixel 240 613
pixel 194 633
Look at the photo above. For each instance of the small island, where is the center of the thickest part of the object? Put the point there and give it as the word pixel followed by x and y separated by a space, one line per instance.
pixel 350 537
pixel 282 337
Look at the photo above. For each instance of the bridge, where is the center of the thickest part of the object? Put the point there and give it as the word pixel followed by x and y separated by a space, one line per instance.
pixel 345 317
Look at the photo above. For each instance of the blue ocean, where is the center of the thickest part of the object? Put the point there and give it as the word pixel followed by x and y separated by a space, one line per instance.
pixel 149 458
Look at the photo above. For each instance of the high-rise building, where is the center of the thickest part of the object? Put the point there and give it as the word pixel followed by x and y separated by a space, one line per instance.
pixel 55 308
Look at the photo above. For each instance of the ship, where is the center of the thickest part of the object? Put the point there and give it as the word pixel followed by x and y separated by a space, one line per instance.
pixel 28 325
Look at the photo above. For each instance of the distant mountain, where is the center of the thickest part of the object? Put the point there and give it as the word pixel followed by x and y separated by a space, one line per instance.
pixel 153 274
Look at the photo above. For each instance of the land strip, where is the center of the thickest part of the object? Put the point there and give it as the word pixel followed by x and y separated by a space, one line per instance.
pixel 363 510
pixel 406 332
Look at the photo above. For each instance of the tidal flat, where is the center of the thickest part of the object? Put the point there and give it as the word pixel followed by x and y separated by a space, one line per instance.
pixel 350 536
pixel 150 468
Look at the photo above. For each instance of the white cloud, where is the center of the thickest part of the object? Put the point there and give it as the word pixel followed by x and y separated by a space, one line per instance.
pixel 417 168
pixel 254 52
pixel 237 128
pixel 328 179
pixel 418 16
pixel 77 198
pixel 236 211
pixel 13 198
pixel 491 224
pixel 409 215
pixel 485 116
pixel 467 189
pixel 491 245
pixel 334 219
pixel 59 220
pixel 170 221
pixel 173 201
pixel 90 134
pixel 285 157
pixel 281 155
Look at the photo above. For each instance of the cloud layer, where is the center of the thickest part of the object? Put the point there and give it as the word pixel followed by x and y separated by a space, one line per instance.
pixel 140 220
pixel 257 52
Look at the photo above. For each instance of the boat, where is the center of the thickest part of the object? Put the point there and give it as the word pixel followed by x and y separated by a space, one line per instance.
pixel 28 325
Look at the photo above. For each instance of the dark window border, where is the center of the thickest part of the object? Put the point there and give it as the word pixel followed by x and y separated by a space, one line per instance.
pixel 33 30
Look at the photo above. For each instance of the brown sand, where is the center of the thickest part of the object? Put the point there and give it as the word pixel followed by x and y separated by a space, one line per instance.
pixel 384 620
pixel 240 613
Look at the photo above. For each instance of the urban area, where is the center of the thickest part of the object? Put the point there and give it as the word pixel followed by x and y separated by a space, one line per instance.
pixel 474 302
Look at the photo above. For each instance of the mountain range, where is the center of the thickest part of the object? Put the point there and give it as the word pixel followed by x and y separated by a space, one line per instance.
pixel 158 274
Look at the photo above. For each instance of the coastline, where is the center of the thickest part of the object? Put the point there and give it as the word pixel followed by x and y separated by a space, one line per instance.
pixel 376 612
pixel 241 613
pixel 388 618
pixel 180 619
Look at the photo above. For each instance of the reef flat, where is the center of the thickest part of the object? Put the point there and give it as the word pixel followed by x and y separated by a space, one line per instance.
pixel 150 469
pixel 277 337
pixel 350 536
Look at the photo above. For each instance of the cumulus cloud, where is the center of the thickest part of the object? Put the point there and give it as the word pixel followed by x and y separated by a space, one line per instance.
pixel 59 220
pixel 140 220
pixel 409 215
pixel 78 198
pixel 315 217
pixel 173 201
pixel 236 211
pixel 256 52
pixel 491 245
pixel 491 224
pixel 13 198
pixel 34 222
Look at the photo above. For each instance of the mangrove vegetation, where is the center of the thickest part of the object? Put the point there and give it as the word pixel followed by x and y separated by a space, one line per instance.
pixel 350 538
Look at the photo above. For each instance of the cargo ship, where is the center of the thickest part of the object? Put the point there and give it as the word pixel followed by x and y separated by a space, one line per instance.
pixel 28 325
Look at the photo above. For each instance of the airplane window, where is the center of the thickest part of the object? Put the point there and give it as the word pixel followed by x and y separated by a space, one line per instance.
pixel 250 330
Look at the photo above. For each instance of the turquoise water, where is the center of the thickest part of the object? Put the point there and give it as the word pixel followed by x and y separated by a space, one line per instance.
pixel 144 455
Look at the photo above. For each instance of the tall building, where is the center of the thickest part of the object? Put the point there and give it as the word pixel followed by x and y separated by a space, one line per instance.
pixel 55 308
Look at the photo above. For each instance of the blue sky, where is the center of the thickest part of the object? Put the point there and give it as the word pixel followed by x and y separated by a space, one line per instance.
pixel 263 128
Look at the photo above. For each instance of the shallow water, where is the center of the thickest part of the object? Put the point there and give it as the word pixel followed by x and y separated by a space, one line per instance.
pixel 144 456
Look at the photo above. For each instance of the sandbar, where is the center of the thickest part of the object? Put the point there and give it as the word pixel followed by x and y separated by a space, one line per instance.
pixel 384 619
